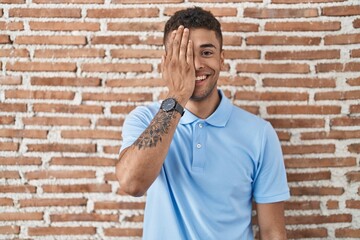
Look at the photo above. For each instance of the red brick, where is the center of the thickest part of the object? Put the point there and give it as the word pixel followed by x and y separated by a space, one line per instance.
pixel 45 12
pixel 64 81
pixel 19 161
pixel 107 205
pixel 303 55
pixel 58 147
pixel 333 134
pixel 232 40
pixel 11 26
pixel 272 96
pixel 10 80
pixel 302 26
pixel 136 53
pixel 307 232
pixel 355 53
pixel 48 231
pixel 121 109
pixel 25 94
pixel 353 204
pixel 305 1
pixel 280 13
pixel 345 121
pixel 113 232
pixel 69 1
pixel 83 161
pixel 320 162
pixel 23 133
pixel 59 174
pixel 63 108
pixel 76 188
pixel 64 26
pixel 317 191
pixel 56 121
pixel 341 10
pixel 354 148
pixel 51 40
pixel 116 67
pixel 7 120
pixel 116 40
pixel 70 53
pixel 14 53
pixel 84 217
pixel 145 1
pixel 353 176
pixel 136 26
pixel 239 27
pixel 9 175
pixel 110 177
pixel 273 68
pixel 307 149
pixel 313 176
pixel 17 189
pixel 242 54
pixel 5 39
pixel 282 40
pixel 236 81
pixel 9 146
pixel 302 205
pixel 283 136
pixel 347 233
pixel 354 108
pixel 331 204
pixel 356 23
pixel 110 122
pixel 300 82
pixel 305 109
pixel 18 216
pixel 342 39
pixel 13 1
pixel 52 202
pixel 217 12
pixel 91 134
pixel 111 149
pixel 134 218
pixel 7 230
pixel 136 97
pixel 337 95
pixel 297 123
pixel 41 67
pixel 123 13
pixel 141 82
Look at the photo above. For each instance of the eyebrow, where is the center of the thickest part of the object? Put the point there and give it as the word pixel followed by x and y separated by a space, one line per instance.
pixel 207 45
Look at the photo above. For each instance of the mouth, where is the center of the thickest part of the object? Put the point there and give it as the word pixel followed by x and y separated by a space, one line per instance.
pixel 201 78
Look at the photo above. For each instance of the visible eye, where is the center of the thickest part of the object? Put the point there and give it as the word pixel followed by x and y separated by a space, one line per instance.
pixel 207 53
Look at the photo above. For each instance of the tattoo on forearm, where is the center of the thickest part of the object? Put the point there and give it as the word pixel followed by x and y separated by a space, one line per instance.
pixel 157 128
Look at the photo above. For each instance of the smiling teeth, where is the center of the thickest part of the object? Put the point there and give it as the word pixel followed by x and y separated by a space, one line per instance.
pixel 199 78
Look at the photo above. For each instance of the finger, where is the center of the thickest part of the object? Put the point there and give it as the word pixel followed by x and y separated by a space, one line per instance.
pixel 169 44
pixel 184 44
pixel 176 42
pixel 190 53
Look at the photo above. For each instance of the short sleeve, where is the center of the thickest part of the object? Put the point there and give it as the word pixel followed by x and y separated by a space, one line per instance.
pixel 135 123
pixel 270 183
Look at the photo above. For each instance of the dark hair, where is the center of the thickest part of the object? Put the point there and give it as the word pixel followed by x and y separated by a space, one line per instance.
pixel 195 17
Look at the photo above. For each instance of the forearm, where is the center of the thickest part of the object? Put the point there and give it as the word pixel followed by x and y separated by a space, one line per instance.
pixel 140 164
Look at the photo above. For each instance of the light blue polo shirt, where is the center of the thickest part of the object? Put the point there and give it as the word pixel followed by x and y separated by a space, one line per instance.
pixel 214 169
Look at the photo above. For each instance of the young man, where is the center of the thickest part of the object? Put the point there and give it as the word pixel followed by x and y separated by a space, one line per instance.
pixel 201 167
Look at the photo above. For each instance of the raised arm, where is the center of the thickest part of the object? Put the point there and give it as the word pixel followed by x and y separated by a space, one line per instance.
pixel 140 164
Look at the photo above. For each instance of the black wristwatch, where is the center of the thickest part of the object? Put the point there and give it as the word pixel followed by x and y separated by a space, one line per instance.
pixel 171 104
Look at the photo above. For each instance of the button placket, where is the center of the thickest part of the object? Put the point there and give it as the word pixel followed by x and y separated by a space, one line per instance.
pixel 199 147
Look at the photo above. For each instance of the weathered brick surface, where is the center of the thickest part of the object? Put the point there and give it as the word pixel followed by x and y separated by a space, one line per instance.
pixel 73 69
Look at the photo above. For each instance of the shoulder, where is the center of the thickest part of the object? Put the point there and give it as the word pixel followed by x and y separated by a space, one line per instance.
pixel 244 118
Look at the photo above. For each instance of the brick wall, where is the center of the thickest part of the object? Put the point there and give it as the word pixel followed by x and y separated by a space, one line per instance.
pixel 72 69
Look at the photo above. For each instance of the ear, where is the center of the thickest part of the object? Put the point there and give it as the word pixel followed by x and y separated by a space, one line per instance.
pixel 222 60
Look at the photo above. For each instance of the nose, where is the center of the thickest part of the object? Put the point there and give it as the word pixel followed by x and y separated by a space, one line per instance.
pixel 198 62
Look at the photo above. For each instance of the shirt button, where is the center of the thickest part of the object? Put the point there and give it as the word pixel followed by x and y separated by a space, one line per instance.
pixel 200 125
pixel 198 145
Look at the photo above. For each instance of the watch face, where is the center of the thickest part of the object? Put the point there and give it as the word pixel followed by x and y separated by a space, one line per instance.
pixel 168 104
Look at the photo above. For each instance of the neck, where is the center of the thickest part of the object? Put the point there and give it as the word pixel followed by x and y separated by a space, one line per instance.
pixel 205 107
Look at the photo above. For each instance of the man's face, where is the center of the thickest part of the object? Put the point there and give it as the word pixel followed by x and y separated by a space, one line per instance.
pixel 208 61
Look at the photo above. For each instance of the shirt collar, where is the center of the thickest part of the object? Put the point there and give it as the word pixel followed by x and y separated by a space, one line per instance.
pixel 218 118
